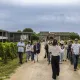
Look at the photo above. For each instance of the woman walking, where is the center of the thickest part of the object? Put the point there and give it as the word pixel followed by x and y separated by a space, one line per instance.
pixel 61 52
pixel 65 51
pixel 55 50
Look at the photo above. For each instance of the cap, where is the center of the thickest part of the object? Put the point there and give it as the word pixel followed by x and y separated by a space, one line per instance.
pixel 76 39
pixel 62 42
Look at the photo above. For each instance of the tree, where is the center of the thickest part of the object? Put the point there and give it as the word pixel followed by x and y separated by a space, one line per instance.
pixel 27 30
pixel 19 31
pixel 35 36
pixel 74 35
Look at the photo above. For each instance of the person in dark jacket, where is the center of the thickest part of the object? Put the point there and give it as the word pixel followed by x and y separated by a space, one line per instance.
pixel 70 56
pixel 33 50
pixel 38 47
pixel 46 50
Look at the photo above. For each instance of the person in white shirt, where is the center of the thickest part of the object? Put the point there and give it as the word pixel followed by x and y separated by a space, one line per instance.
pixel 33 52
pixel 55 51
pixel 61 51
pixel 21 46
pixel 28 51
pixel 65 51
pixel 76 53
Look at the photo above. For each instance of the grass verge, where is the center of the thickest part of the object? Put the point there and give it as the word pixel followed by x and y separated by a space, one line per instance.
pixel 7 69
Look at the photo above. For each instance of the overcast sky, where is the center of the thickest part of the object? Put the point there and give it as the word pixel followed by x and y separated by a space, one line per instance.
pixel 40 15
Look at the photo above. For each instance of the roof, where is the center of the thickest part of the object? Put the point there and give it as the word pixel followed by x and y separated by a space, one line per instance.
pixel 23 32
pixel 3 30
pixel 61 33
pixel 44 32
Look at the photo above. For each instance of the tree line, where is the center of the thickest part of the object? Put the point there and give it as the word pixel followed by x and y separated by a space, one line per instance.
pixel 34 36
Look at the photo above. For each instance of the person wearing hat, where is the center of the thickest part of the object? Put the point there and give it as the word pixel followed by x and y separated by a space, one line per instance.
pixel 76 53
pixel 61 51
pixel 21 46
pixel 65 51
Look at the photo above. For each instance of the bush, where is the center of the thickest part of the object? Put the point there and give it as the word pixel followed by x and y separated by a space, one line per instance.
pixel 8 51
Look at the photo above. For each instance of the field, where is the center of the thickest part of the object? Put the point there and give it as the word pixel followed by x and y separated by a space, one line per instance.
pixel 7 69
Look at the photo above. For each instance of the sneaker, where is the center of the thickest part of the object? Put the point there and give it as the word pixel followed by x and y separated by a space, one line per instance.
pixel 74 69
pixel 44 57
pixel 26 60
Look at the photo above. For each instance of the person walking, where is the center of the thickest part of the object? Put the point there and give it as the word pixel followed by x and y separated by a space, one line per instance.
pixel 32 52
pixel 76 53
pixel 61 51
pixel 46 49
pixel 70 55
pixel 65 51
pixel 28 51
pixel 38 48
pixel 55 50
pixel 69 49
pixel 47 53
pixel 35 52
pixel 21 46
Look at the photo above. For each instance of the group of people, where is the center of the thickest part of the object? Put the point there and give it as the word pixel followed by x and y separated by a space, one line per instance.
pixel 57 52
pixel 31 50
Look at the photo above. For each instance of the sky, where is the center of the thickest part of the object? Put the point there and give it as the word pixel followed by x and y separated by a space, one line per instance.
pixel 40 15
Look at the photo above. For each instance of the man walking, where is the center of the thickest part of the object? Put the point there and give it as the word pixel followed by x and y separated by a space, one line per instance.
pixel 69 53
pixel 46 49
pixel 21 46
pixel 76 53
pixel 38 48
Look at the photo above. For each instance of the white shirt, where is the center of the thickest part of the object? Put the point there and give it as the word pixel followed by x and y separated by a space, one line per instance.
pixel 21 46
pixel 55 50
pixel 28 47
pixel 66 46
pixel 62 50
pixel 76 48
pixel 32 48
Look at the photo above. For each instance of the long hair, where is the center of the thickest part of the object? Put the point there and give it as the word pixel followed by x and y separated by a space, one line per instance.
pixel 55 42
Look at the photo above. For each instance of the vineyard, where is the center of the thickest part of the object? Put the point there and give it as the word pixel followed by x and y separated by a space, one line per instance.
pixel 8 51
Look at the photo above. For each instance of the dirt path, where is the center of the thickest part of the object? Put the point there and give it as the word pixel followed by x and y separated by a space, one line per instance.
pixel 42 71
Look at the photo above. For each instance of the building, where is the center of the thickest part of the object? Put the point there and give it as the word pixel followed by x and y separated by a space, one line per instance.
pixel 43 35
pixel 51 35
pixel 14 36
